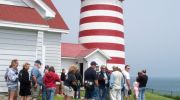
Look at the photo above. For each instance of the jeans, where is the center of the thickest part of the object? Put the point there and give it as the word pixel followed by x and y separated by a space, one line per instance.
pixel 141 95
pixel 50 93
pixel 44 93
pixel 102 93
pixel 77 93
pixel 96 93
pixel 89 94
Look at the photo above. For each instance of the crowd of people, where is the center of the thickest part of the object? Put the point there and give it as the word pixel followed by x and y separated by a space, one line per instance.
pixel 104 85
pixel 31 83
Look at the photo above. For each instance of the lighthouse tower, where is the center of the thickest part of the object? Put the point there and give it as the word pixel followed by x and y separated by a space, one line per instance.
pixel 101 26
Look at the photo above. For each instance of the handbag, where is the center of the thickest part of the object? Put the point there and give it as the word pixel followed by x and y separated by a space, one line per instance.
pixel 129 92
pixel 88 84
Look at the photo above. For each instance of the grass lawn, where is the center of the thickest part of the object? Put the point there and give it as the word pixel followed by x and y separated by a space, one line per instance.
pixel 149 96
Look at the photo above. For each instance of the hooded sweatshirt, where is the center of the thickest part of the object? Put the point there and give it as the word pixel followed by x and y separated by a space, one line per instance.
pixel 11 77
pixel 50 79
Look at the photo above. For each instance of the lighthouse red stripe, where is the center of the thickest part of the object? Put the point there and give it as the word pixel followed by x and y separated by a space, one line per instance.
pixel 102 32
pixel 101 19
pixel 101 7
pixel 104 46
pixel 116 60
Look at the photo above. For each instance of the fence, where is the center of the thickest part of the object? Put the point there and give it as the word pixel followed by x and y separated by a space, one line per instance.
pixel 164 92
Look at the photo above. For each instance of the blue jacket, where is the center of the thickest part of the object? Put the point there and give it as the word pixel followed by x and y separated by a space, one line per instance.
pixel 12 77
pixel 35 72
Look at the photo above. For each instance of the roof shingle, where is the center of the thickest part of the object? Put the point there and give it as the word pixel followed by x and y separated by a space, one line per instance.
pixel 75 50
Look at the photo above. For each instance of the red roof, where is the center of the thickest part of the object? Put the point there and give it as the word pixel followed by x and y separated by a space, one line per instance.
pixel 86 52
pixel 20 14
pixel 31 16
pixel 58 21
pixel 75 50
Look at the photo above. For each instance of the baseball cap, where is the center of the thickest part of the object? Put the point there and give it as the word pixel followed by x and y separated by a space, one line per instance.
pixel 38 62
pixel 47 67
pixel 93 63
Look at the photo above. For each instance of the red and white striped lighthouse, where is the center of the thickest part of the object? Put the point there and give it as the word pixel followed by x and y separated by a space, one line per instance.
pixel 101 26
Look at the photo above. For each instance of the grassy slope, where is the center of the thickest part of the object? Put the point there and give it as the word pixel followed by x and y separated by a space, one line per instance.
pixel 149 96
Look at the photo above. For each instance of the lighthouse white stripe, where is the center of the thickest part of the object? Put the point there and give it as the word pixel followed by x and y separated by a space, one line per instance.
pixel 114 53
pixel 103 39
pixel 101 13
pixel 106 2
pixel 101 25
pixel 110 65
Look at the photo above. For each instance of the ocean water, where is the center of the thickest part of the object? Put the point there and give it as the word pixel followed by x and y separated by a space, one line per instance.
pixel 163 84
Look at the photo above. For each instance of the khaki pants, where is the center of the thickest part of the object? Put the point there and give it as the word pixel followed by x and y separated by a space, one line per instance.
pixel 35 92
pixel 115 94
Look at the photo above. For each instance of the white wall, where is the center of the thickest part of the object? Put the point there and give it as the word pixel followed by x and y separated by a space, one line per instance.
pixel 19 44
pixel 27 46
pixel 65 63
pixel 98 58
pixel 53 50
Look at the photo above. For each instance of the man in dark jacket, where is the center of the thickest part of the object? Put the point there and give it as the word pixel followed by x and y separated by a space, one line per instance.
pixel 90 81
pixel 142 80
pixel 103 81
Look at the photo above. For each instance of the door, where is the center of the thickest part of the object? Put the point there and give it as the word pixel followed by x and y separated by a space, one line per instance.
pixel 81 70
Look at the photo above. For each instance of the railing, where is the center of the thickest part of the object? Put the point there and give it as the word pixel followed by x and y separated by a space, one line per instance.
pixel 164 92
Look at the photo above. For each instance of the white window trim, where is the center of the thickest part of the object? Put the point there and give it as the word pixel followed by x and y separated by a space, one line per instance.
pixel 68 58
pixel 101 52
pixel 48 11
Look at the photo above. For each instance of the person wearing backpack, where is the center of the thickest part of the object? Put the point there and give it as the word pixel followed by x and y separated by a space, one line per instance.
pixel 11 78
pixel 79 82
pixel 70 83
pixel 25 83
pixel 127 90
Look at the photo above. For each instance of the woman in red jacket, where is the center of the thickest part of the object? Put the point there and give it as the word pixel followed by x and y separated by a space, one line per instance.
pixel 50 80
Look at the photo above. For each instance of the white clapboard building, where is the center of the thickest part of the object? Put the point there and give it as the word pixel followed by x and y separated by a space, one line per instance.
pixel 29 30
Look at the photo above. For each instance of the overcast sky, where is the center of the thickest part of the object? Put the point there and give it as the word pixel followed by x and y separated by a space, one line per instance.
pixel 152 34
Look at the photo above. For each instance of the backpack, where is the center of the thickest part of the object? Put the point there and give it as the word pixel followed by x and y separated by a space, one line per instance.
pixel 123 83
pixel 6 75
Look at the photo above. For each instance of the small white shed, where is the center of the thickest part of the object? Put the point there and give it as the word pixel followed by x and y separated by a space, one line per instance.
pixel 81 56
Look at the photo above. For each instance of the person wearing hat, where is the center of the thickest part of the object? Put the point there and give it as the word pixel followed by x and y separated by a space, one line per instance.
pixel 36 78
pixel 90 81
